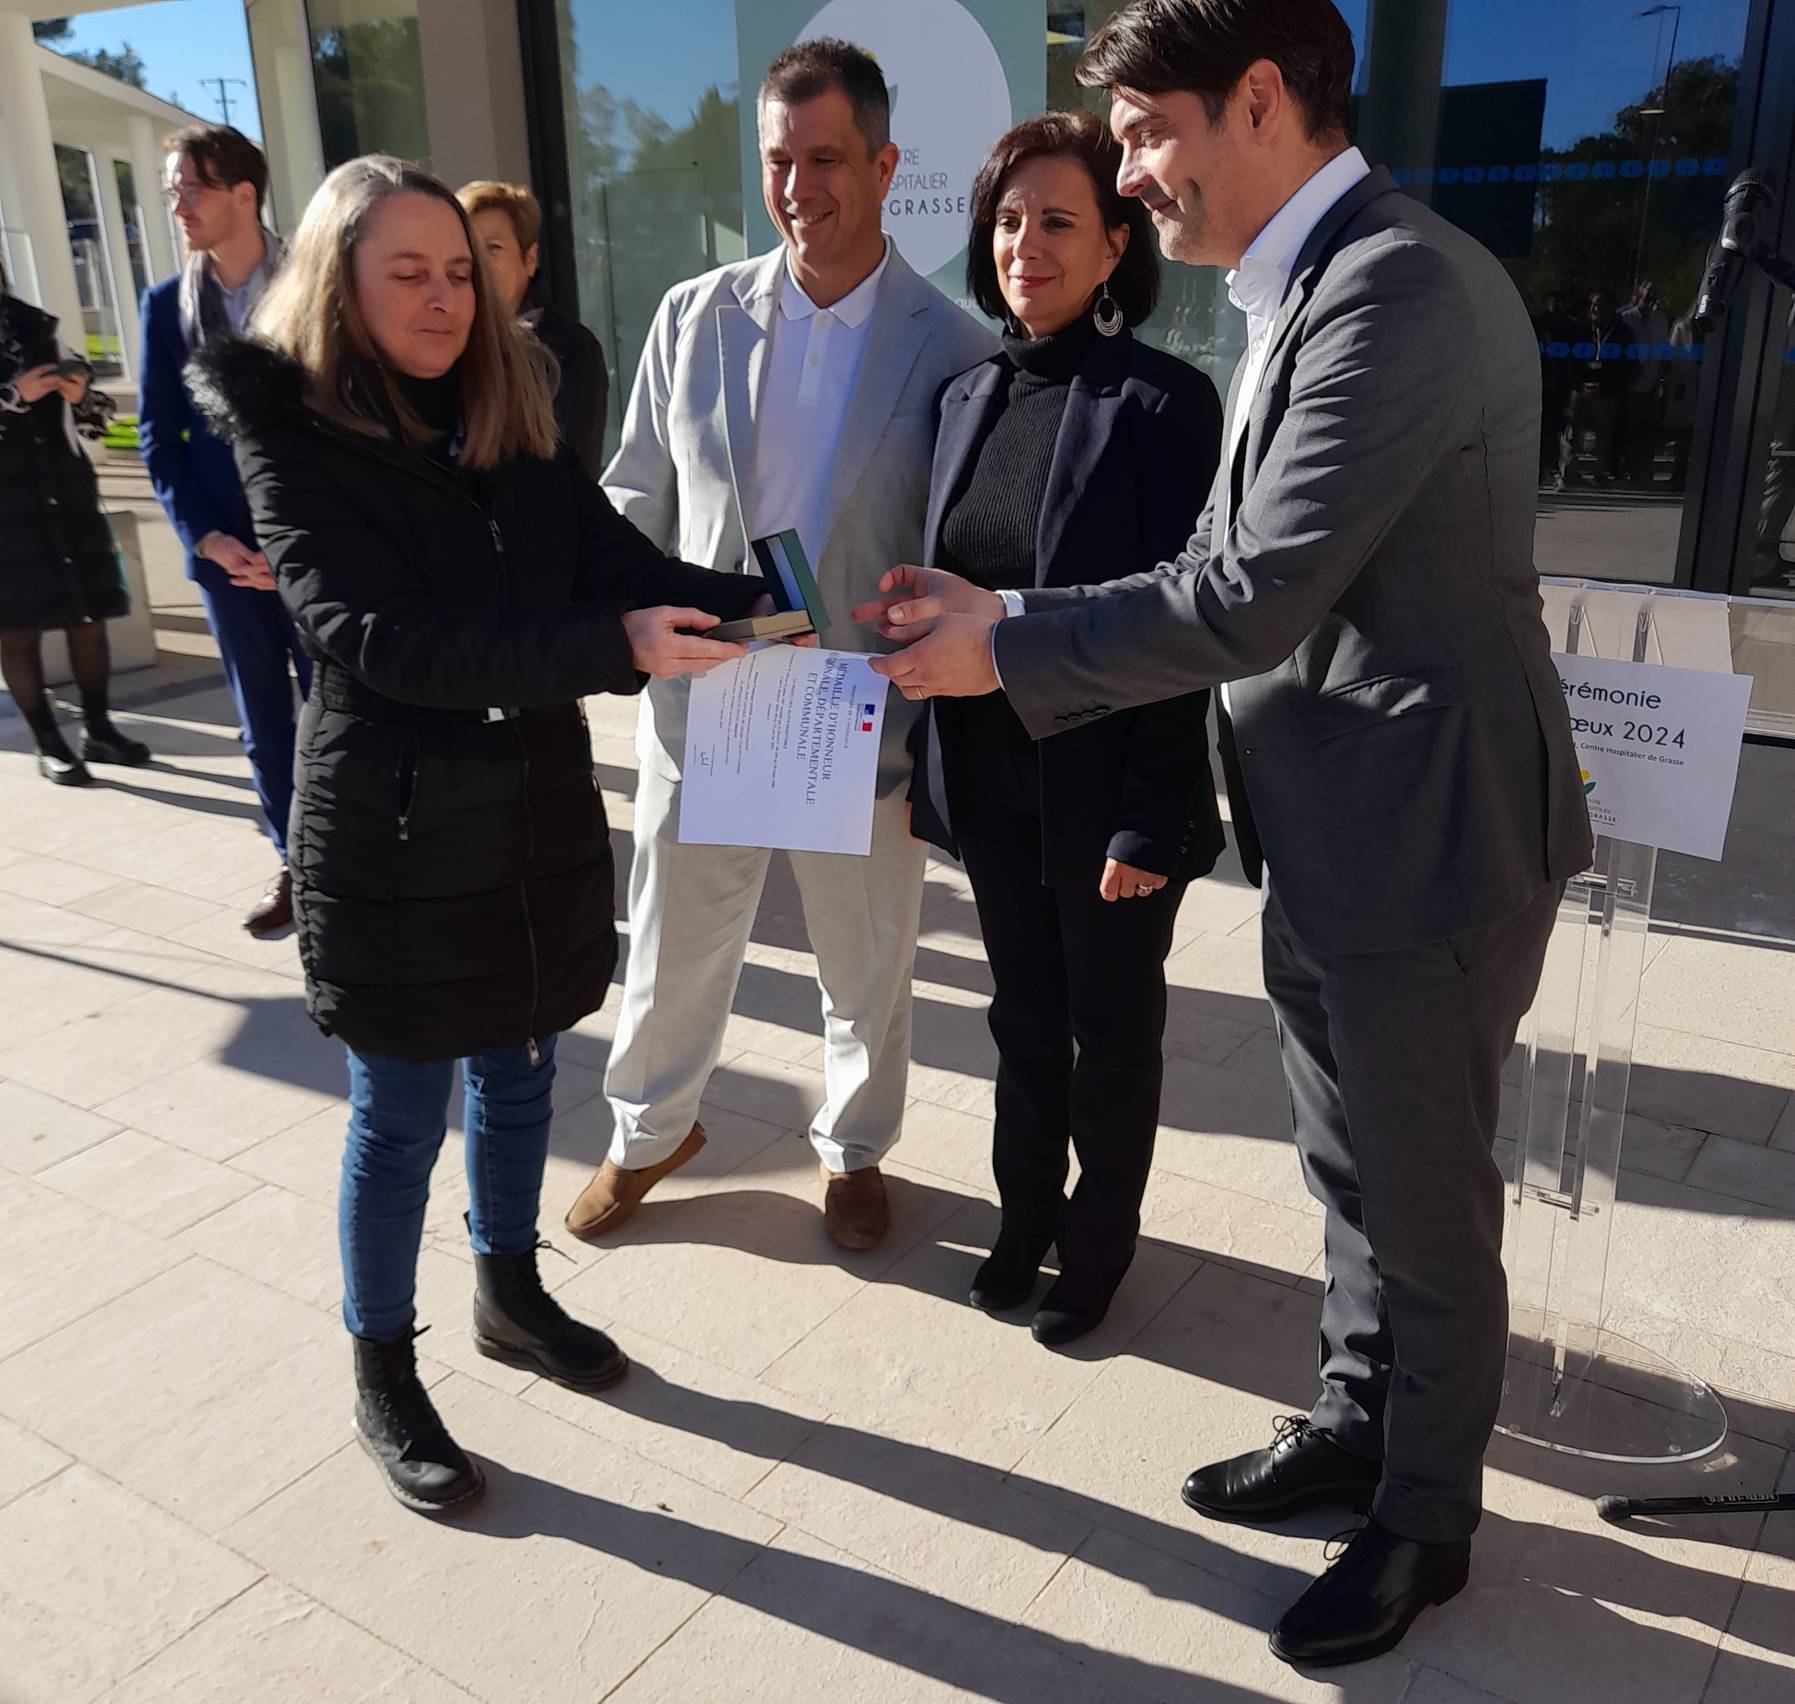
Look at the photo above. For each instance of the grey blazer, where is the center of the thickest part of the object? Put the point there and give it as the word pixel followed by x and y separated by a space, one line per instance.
pixel 1404 756
pixel 688 443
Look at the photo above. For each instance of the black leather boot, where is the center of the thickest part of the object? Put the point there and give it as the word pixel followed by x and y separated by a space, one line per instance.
pixel 397 1424
pixel 518 1322
pixel 1006 1278
pixel 1074 1306
pixel 1364 1604
pixel 1303 1467
pixel 106 744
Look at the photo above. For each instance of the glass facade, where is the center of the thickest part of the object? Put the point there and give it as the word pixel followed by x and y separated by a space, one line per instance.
pixel 100 338
pixel 131 210
pixel 370 79
pixel 1587 144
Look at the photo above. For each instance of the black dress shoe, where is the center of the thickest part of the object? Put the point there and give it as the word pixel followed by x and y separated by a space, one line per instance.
pixel 113 747
pixel 1073 1307
pixel 64 768
pixel 1008 1275
pixel 1303 1467
pixel 1364 1604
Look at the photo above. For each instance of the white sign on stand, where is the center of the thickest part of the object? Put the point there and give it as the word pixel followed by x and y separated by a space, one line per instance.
pixel 1659 749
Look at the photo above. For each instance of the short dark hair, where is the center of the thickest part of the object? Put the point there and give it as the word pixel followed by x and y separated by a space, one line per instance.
pixel 224 157
pixel 1083 137
pixel 813 68
pixel 1159 47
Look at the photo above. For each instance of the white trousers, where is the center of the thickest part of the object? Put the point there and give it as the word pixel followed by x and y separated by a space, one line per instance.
pixel 691 909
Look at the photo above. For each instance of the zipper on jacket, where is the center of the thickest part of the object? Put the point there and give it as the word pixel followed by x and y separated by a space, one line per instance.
pixel 523 894
pixel 405 777
pixel 498 538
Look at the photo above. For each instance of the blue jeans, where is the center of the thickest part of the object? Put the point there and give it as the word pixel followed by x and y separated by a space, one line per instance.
pixel 398 1115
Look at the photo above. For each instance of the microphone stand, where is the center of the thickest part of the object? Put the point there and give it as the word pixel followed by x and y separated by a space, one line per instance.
pixel 1763 255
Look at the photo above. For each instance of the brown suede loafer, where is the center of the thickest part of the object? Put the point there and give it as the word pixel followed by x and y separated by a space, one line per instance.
pixel 273 912
pixel 855 1212
pixel 614 1194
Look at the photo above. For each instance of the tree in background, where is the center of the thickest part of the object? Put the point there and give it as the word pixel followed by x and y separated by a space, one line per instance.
pixel 370 90
pixel 1604 233
pixel 126 64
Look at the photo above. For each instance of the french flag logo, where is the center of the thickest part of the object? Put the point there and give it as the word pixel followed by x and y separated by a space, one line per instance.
pixel 867 712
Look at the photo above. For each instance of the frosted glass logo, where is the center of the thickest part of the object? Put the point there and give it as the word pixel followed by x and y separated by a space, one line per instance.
pixel 949 102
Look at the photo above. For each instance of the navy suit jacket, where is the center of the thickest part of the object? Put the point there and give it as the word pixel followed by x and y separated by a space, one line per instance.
pixel 193 472
pixel 1136 453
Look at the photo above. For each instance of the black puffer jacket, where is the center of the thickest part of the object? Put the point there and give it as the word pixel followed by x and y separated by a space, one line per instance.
pixel 58 567
pixel 452 871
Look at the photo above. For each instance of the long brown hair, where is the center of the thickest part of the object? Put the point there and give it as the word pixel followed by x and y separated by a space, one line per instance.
pixel 310 311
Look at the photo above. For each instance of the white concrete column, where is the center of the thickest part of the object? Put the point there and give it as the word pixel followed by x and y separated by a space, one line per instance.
pixel 281 45
pixel 30 190
pixel 473 90
pixel 146 168
pixel 117 257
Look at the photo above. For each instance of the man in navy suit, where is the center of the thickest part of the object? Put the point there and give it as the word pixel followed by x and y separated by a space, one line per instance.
pixel 217 181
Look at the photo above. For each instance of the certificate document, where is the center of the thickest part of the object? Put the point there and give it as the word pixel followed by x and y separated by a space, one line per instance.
pixel 782 751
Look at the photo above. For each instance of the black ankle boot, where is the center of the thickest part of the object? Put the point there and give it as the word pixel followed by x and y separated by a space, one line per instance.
pixel 518 1322
pixel 101 742
pixel 1007 1277
pixel 397 1424
pixel 1073 1307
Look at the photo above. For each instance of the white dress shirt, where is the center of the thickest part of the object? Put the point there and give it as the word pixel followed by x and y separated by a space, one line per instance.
pixel 1259 284
pixel 809 382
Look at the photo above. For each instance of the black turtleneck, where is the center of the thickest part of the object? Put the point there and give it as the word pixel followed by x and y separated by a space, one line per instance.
pixel 988 533
pixel 436 402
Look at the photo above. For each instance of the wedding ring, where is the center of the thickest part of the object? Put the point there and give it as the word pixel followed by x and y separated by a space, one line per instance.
pixel 1142 889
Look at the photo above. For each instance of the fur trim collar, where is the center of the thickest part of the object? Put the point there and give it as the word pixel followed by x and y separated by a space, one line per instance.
pixel 242 386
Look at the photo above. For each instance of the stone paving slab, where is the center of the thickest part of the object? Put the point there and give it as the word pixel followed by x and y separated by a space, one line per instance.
pixel 827 1477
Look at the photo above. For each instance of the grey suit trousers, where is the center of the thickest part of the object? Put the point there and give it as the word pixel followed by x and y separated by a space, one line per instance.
pixel 1393 1062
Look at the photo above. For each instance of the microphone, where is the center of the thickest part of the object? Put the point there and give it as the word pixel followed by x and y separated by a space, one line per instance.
pixel 1747 201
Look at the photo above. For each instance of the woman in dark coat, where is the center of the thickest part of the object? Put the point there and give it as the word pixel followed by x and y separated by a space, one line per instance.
pixel 460 585
pixel 59 569
pixel 1074 448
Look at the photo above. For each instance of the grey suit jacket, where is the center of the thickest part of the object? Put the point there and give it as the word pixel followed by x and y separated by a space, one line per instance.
pixel 688 446
pixel 1404 753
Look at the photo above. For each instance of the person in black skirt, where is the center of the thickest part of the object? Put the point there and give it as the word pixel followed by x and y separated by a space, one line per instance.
pixel 1075 451
pixel 59 568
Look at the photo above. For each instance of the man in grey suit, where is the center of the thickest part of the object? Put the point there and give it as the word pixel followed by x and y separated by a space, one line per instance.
pixel 1362 588
pixel 795 390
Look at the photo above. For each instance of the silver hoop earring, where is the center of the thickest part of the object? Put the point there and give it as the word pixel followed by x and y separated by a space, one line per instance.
pixel 1107 313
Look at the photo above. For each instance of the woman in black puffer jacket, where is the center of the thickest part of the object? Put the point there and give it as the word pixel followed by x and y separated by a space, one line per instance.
pixel 461 584
pixel 59 569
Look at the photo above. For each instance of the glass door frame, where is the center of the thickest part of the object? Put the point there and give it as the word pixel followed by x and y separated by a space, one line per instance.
pixel 546 78
pixel 1738 391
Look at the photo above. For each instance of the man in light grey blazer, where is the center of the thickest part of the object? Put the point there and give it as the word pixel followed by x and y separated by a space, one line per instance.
pixel 794 390
pixel 1362 588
